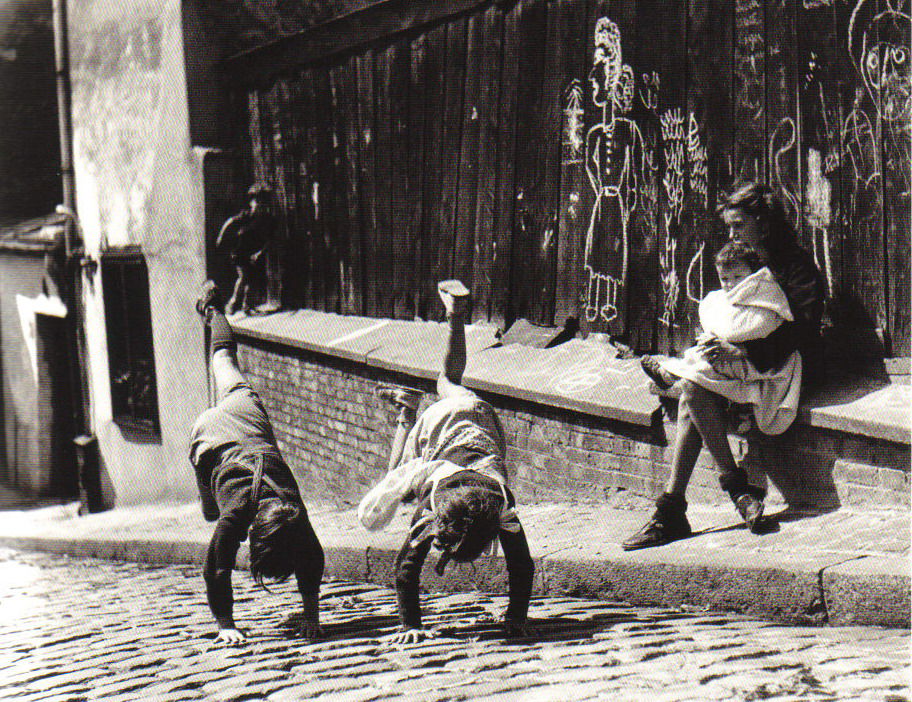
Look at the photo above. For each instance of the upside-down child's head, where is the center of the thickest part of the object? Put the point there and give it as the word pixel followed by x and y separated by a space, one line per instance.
pixel 275 540
pixel 467 521
pixel 734 262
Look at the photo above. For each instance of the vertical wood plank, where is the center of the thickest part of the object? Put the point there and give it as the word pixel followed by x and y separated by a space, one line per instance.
pixel 863 307
pixel 325 196
pixel 573 29
pixel 451 140
pixel 662 54
pixel 896 146
pixel 467 198
pixel 783 138
pixel 382 238
pixel 364 69
pixel 708 146
pixel 402 187
pixel 344 83
pixel 750 93
pixel 432 172
pixel 309 178
pixel 417 120
pixel 501 309
pixel 345 191
pixel 817 64
pixel 488 154
pixel 531 233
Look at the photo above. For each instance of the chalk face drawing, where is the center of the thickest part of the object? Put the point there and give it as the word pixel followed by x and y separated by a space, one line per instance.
pixel 879 43
pixel 879 35
pixel 614 165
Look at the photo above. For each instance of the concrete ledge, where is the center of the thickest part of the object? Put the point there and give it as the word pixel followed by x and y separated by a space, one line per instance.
pixel 578 375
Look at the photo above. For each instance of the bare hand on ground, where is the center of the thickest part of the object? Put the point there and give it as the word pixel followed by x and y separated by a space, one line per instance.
pixel 410 636
pixel 229 637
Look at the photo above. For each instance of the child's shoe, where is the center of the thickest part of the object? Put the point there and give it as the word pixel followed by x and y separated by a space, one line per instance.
pixel 400 396
pixel 209 298
pixel 661 377
pixel 455 297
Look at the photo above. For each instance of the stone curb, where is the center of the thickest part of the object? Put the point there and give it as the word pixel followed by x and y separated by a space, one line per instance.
pixel 867 591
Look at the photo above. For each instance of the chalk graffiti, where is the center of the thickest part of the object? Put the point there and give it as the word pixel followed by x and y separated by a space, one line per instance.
pixel 649 91
pixel 573 123
pixel 817 213
pixel 673 143
pixel 614 166
pixel 695 291
pixel 671 286
pixel 878 41
pixel 601 296
pixel 878 37
pixel 782 140
pixel 696 161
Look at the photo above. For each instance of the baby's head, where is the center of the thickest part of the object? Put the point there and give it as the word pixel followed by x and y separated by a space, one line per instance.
pixel 734 262
pixel 468 519
pixel 275 540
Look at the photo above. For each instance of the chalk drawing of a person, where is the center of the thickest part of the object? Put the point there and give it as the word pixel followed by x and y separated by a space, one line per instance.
pixel 878 41
pixel 614 163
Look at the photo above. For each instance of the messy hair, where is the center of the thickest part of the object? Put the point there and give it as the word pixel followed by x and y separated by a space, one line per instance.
pixel 736 253
pixel 763 204
pixel 468 519
pixel 275 538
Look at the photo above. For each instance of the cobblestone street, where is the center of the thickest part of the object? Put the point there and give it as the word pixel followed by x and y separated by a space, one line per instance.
pixel 85 630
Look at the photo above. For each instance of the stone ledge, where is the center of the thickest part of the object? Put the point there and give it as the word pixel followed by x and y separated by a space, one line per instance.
pixel 579 375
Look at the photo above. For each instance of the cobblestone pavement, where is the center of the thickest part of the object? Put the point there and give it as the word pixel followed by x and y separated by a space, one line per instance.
pixel 97 630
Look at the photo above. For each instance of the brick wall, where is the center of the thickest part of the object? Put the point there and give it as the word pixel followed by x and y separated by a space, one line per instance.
pixel 335 433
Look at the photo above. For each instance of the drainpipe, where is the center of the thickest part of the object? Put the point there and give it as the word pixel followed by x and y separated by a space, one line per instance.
pixel 88 461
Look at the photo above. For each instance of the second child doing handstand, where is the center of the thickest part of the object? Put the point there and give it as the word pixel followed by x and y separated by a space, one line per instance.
pixel 452 460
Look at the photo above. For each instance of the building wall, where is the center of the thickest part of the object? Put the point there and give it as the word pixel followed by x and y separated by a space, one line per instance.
pixel 335 434
pixel 138 181
pixel 30 371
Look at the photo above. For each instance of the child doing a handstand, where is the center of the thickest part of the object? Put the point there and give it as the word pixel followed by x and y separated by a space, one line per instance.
pixel 452 460
pixel 245 484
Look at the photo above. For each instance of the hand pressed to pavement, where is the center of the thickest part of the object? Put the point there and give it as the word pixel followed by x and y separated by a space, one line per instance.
pixel 408 635
pixel 229 637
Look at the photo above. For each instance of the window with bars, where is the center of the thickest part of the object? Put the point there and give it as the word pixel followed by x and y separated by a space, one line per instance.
pixel 131 356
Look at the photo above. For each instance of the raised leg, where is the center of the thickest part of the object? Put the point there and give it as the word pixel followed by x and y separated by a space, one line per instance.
pixel 455 298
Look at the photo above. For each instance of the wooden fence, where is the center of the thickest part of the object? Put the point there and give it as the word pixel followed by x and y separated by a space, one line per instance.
pixel 565 157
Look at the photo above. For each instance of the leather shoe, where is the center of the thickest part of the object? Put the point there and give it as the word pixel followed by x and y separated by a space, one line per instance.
pixel 667 524
pixel 751 511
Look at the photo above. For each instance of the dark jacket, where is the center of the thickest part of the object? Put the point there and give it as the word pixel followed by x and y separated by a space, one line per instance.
pixel 805 289
pixel 225 491
pixel 520 566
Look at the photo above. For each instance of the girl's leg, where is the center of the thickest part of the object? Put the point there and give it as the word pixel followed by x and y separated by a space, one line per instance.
pixel 225 372
pixel 705 411
pixel 404 423
pixel 455 297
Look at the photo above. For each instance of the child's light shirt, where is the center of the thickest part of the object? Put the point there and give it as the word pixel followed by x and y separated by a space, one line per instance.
pixel 453 434
pixel 753 309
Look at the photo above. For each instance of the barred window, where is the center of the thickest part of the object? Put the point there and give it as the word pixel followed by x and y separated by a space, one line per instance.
pixel 131 357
